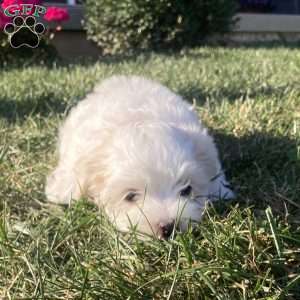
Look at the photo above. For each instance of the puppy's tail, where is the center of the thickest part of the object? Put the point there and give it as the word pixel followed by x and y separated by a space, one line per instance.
pixel 61 186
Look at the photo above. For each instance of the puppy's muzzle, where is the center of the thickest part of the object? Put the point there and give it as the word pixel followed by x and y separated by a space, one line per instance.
pixel 166 230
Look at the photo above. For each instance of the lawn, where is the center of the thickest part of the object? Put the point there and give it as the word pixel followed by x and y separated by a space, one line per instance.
pixel 248 248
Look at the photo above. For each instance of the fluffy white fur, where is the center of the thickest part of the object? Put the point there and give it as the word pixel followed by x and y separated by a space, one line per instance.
pixel 132 146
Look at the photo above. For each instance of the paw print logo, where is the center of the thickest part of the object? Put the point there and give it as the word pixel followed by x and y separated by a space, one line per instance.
pixel 24 32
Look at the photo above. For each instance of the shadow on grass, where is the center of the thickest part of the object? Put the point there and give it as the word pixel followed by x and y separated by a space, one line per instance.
pixel 12 110
pixel 264 170
pixel 47 55
pixel 231 94
pixel 55 62
pixel 271 45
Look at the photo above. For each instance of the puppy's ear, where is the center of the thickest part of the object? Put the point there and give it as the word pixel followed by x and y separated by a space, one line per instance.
pixel 85 178
pixel 64 185
pixel 94 186
pixel 61 186
pixel 91 172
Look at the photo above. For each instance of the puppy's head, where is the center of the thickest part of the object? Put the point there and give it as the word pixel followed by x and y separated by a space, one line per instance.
pixel 156 176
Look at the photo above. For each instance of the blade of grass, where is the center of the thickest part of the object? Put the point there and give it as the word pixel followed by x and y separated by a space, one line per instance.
pixel 272 225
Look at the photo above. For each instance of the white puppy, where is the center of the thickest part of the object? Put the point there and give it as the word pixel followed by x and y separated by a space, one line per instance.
pixel 138 151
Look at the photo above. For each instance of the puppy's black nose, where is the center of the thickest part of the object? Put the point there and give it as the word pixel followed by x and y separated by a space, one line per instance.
pixel 166 230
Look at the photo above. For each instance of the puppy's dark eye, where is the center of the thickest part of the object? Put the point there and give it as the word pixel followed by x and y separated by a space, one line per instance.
pixel 131 197
pixel 186 192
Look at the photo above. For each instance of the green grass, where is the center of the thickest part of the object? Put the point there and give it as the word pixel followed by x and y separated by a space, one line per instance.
pixel 246 249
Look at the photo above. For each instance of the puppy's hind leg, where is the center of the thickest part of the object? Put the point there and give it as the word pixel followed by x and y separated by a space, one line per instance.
pixel 61 186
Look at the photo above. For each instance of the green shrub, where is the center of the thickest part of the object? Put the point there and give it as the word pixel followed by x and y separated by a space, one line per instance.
pixel 120 26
